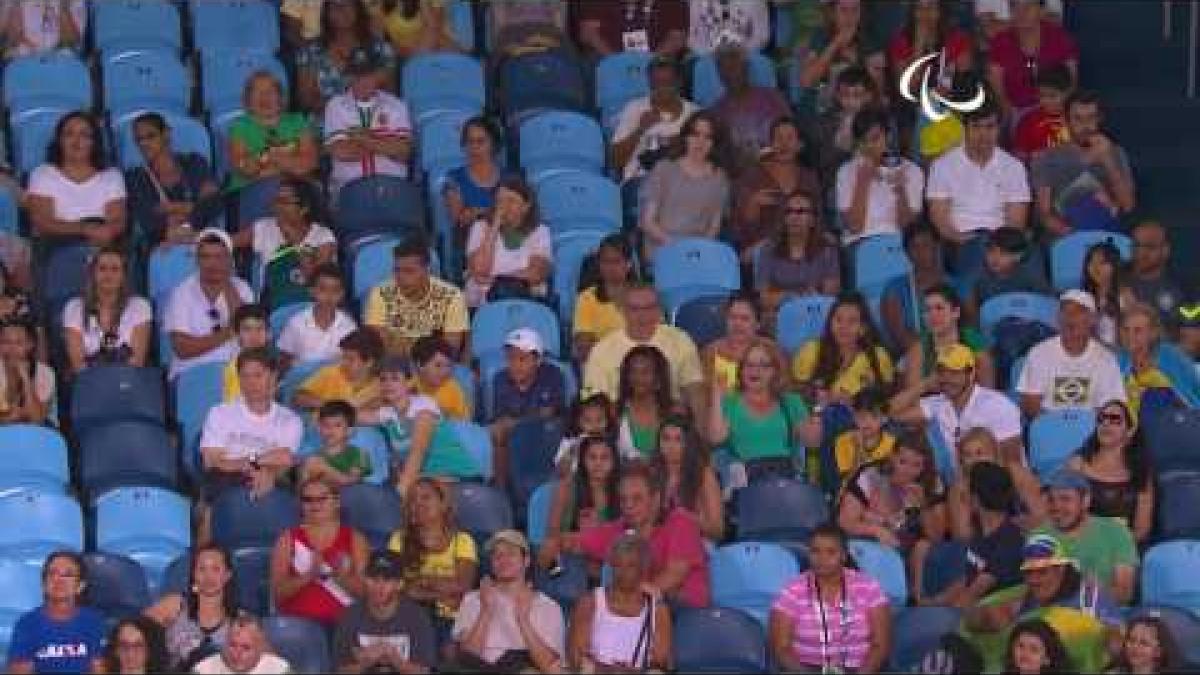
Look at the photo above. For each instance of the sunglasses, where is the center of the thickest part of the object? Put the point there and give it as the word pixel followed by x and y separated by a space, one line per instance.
pixel 799 211
pixel 311 499
pixel 1111 418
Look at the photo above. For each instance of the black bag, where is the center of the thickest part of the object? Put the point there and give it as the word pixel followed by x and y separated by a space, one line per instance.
pixel 505 287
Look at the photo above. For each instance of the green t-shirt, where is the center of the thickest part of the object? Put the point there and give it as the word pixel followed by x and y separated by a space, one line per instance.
pixel 349 459
pixel 285 277
pixel 446 455
pixel 762 437
pixel 1102 546
pixel 258 138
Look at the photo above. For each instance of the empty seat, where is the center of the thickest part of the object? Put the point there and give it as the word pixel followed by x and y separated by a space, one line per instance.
pixel 138 81
pixel 224 26
pixel 779 510
pixel 1171 439
pixel 1169 575
pixel 571 250
pixel 252 574
pixel 750 575
pixel 120 26
pixel 223 76
pixel 150 525
pixel 801 319
pixel 116 585
pixel 238 520
pixel 106 394
pixel 379 205
pixel 197 390
pixel 1056 435
pixel 33 457
pixel 56 81
pixel 127 453
pixel 1177 515
pixel 918 631
pixel 620 78
pixel 1033 307
pixel 885 566
pixel 718 640
pixel 372 266
pixel 693 267
pixel 61 276
pixel 374 510
pixel 707 88
pixel 557 141
pixel 303 644
pixel 703 319
pixel 482 511
pixel 574 200
pixel 48 521
pixel 477 441
pixel 537 519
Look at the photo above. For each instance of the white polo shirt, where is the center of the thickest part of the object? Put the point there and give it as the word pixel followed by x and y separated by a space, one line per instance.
pixel 882 217
pixel 306 341
pixel 242 434
pixel 384 115
pixel 978 194
pixel 985 408
pixel 188 312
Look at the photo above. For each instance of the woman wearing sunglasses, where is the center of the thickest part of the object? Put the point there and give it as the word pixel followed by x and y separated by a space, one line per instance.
pixel 108 324
pixel 1117 465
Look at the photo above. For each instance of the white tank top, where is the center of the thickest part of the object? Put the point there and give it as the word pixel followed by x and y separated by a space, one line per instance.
pixel 614 637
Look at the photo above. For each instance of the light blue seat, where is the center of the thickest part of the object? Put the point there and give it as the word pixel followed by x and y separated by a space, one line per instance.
pixel 442 81
pixel 280 316
pixel 48 521
pixel 718 640
pixel 477 442
pixel 570 252
pixel 707 88
pixel 1169 576
pixel 188 134
pixel 34 457
pixel 462 23
pixel 145 80
pixel 1028 306
pixel 749 576
pixel 495 320
pixel 1067 255
pixel 223 76
pixel 32 135
pixel 126 453
pixel 878 261
pixel 302 643
pixel 373 263
pixel 224 26
pixel 1056 435
pixel 168 267
pixel 373 510
pixel 574 201
pixel 150 525
pixel 121 26
pixel 693 267
pixel 800 319
pixel 481 510
pixel 10 218
pixel 20 591
pixel 297 374
pixel 538 513
pixel 56 81
pixel 620 78
pixel 556 141
pixel 438 143
pixel 885 566
pixel 372 441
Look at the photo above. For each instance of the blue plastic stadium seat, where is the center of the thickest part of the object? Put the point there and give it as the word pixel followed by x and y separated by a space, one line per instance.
pixel 718 640
pixel 61 277
pixel 297 374
pixel 570 252
pixel 188 134
pixel 120 26
pixel 481 510
pixel 252 574
pixel 878 261
pixel 438 143
pixel 31 137
pixel 534 442
pixel 620 78
pixel 441 82
pixel 10 218
pixel 379 205
pixel 1067 255
pixel 566 587
pixel 168 267
pixel 177 576
pixel 538 512
pixel 557 141
pixel 20 591
pixel 693 267
pixel 34 457
pixel 256 200
pixel 107 394
pixel 48 521
pixel 918 631
pixel 750 575
pixel 302 643
pixel 1056 435
pixel 116 585
pixel 1177 515
pixel 241 521
pixel 149 80
pixel 372 442
pixel 801 319
pixel 1169 575
pixel 197 390
pixel 703 318
pixel 885 566
pixel 127 453
pixel 706 83
pixel 223 76
pixel 495 320
pixel 477 441
pixel 1036 307
pixel 55 81
pixel 779 510
pixel 533 83
pixel 374 510
pixel 223 26
pixel 1171 439
pixel 151 526
pixel 575 200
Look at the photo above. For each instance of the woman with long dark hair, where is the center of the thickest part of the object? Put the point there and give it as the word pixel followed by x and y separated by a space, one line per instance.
pixel 322 64
pixel 1149 647
pixel 108 324
pixel 1104 277
pixel 944 327
pixel 743 325
pixel 510 244
pixel 470 190
pixel 27 385
pixel 136 646
pixel 585 498
pixel 643 400
pixel 197 617
pixel 1116 463
pixel 689 479
pixel 848 356
pixel 598 307
pixel 165 189
pixel 1034 648
pixel 798 258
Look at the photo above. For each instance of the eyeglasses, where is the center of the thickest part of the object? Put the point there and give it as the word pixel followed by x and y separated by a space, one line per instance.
pixel 701 134
pixel 310 499
pixel 759 364
pixel 130 645
pixel 799 211
pixel 1111 418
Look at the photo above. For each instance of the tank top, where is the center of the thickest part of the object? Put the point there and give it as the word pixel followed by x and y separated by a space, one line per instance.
pixel 322 600
pixel 618 639
pixel 188 641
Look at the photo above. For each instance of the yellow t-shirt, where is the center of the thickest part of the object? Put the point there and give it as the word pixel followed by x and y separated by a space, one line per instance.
pixel 602 373
pixel 594 317
pixel 850 380
pixel 231 387
pixel 441 563
pixel 330 384
pixel 848 455
pixel 450 399
pixel 442 308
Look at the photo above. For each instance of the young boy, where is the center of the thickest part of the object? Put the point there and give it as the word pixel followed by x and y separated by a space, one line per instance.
pixel 353 378
pixel 1045 126
pixel 338 463
pixel 854 91
pixel 867 441
pixel 526 387
pixel 314 333
pixel 1005 268
pixel 252 327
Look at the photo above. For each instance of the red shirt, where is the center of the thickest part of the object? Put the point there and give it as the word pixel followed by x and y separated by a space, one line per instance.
pixel 677 538
pixel 900 50
pixel 316 601
pixel 657 17
pixel 1039 130
pixel 1057 47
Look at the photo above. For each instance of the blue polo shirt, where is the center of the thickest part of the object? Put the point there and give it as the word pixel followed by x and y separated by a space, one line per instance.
pixel 58 646
pixel 546 391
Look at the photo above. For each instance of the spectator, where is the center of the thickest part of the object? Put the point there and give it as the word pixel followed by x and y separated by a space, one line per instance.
pixel 197 617
pixel 324 63
pixel 440 565
pixel 747 111
pixel 993 554
pixel 531 26
pixel 61 635
pixel 943 329
pixel 617 626
pixel 648 126
pixel 847 358
pixel 994 16
pixel 644 325
pixel 658 26
pixel 977 187
pixel 598 306
pixel 385 631
pixel 1035 648
pixel 1149 277
pixel 1104 277
pixel 843 42
pixel 930 28
pixel 955 401
pixel 591 416
pixel 688 475
pixel 470 192
pixel 27 385
pixel 16 276
pixel 422 443
pixel 1148 647
pixel 978 446
pixel 416 26
pixel 317 566
pixel 1017 54
pixel 1008 267
pixel 900 502
pixel 509 250
pixel 1045 126
pixel 687 192
pixel 877 191
pixel 169 192
pixel 1084 183
pixel 74 196
pixel 354 378
pixel 367 129
pixel 267 140
pixel 250 325
pixel 251 441
pixel 245 651
pixel 413 304
pixel 336 463
pixel 301 21
pixel 743 325
pixel 867 442
pixel 762 424
pixel 1103 548
pixel 799 631
pixel 714 24
pixel 797 259
pixel 1071 370
pixel 434 364
pixel 924 249
pixel 41 27
pixel 200 309
pixel 853 91
pixel 108 324
pixel 643 400
pixel 586 498
pixel 507 626
pixel 1157 374
pixel 313 333
pixel 782 169
pixel 135 645
pixel 289 245
pixel 678 570
pixel 1114 462
pixel 527 387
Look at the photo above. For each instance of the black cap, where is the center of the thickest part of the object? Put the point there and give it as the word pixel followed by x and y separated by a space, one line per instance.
pixel 385 564
pixel 1008 239
pixel 363 62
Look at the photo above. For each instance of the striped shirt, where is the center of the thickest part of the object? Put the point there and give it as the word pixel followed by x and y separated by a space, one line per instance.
pixel 846 637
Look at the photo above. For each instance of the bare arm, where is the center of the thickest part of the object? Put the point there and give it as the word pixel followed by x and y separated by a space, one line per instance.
pixel 712 509
pixel 543 656
pixel 139 344
pixel 856 216
pixel 592 38
pixel 880 620
pixel 940 214
pixel 781 633
pixel 481 261
pixel 1031 405
pixel 75 357
pixel 1016 214
pixel 422 434
pixel 718 425
pixel 285 584
pixel 579 639
pixel 189 346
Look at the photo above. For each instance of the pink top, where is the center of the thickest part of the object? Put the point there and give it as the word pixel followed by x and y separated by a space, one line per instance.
pixel 1020 80
pixel 677 538
pixel 846 638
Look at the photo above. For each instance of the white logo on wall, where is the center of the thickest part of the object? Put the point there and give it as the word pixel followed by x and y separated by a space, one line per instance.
pixel 929 94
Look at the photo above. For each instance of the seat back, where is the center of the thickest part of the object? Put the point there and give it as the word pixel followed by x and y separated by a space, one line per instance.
pixel 620 78
pixel 127 453
pixel 1178 494
pixel 53 80
pixel 538 512
pixel 1033 307
pixel 224 26
pixel 302 643
pixel 150 525
pixel 885 566
pixel 1169 575
pixel 534 82
pixel 477 441
pixel 918 631
pixel 718 640
pixel 439 143
pixel 536 440
pixel 372 442
pixel 379 205
pixel 168 267
pixel 106 394
pixel 10 217
pixel 32 135
pixel 252 577
pixel 62 278
pixel 692 267
pixel 223 76
pixel 120 26
pixel 1067 255
pixel 481 510
pixel 256 200
pixel 372 265
pixel 239 520
pixel 707 88
pixel 34 457
pixel 495 320
pixel 1171 438
pixel 442 81
pixel 570 252
pixel 574 200
pixel 1056 435
pixel 750 575
pixel 116 585
pixel 779 509
pixel 49 521
pixel 801 319
pixel 558 141
pixel 188 134
pixel 703 318
pixel 373 510
pixel 197 390
pixel 145 80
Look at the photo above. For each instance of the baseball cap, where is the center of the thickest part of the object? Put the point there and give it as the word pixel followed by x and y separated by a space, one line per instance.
pixel 1067 479
pixel 525 339
pixel 1042 551
pixel 1008 239
pixel 510 537
pixel 956 357
pixel 215 234
pixel 1079 297
pixel 385 564
pixel 363 61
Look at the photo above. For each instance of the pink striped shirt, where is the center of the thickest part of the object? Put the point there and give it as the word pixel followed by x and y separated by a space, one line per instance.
pixel 846 623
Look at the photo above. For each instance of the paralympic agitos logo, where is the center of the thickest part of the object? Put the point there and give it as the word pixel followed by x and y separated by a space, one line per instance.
pixel 929 94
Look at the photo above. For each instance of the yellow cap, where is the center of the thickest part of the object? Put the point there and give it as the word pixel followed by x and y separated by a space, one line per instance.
pixel 956 357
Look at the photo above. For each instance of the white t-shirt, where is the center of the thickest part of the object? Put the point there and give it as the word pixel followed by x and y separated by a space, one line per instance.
pixel 503 633
pixel 306 341
pixel 188 312
pixel 417 404
pixel 978 195
pixel 1064 381
pixel 985 408
pixel 215 665
pixel 656 136
pixel 881 199
pixel 137 313
pixel 75 201
pixel 1002 9
pixel 384 114
pixel 268 239
pixel 505 261
pixel 716 22
pixel 242 434
pixel 41 23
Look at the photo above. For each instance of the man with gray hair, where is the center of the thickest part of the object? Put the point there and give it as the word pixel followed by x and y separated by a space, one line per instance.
pixel 246 651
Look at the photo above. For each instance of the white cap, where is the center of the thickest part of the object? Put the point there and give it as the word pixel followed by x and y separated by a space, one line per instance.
pixel 1079 297
pixel 525 339
pixel 216 233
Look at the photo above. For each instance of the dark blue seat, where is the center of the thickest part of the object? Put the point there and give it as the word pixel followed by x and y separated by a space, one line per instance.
pixel 703 318
pixel 718 640
pixel 568 586
pixel 779 510
pixel 116 585
pixel 534 443
pixel 120 26
pixel 107 394
pixel 1171 437
pixel 377 206
pixel 240 521
pixel 302 643
pixel 374 510
pixel 177 576
pixel 1178 496
pixel 918 631
pixel 256 200
pixel 482 511
pixel 127 453
pixel 252 574
pixel 62 277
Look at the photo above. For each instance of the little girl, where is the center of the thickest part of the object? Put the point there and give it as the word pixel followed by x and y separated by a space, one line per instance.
pixel 592 416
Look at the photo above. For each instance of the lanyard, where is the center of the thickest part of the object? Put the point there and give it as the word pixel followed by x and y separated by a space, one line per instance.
pixel 844 620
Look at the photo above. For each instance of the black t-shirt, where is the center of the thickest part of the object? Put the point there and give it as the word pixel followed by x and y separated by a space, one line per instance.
pixel 998 554
pixel 410 628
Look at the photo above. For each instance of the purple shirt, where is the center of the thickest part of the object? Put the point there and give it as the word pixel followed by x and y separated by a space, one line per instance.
pixel 748 120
